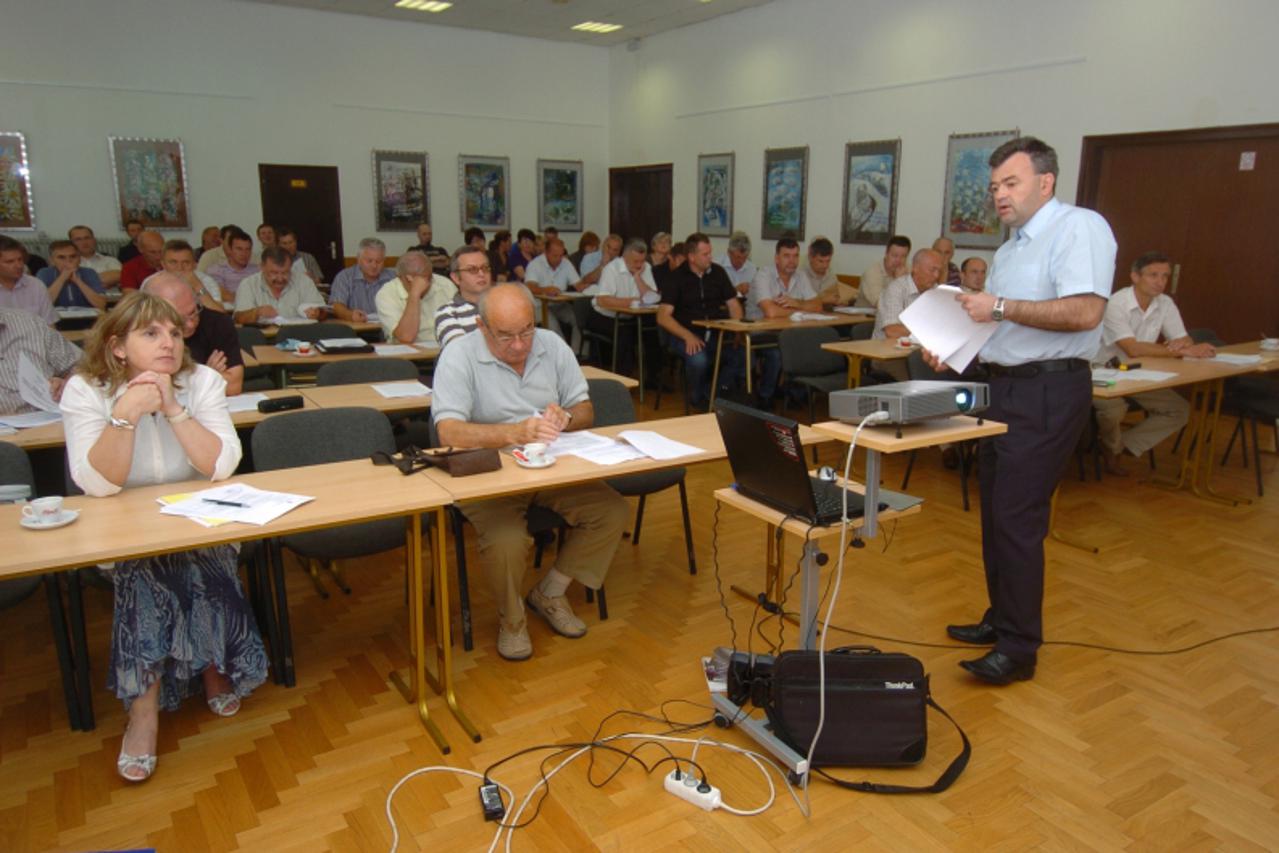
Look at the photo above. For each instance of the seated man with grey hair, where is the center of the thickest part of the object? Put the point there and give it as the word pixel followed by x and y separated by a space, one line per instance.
pixel 925 271
pixel 626 282
pixel 513 383
pixel 406 305
pixel 353 294
pixel 737 263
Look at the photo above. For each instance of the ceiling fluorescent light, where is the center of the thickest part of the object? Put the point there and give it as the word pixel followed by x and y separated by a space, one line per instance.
pixel 423 5
pixel 596 27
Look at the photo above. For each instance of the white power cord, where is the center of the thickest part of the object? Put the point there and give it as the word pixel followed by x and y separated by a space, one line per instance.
pixel 439 768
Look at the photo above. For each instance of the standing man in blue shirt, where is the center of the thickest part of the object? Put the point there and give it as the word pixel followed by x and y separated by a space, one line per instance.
pixel 1047 294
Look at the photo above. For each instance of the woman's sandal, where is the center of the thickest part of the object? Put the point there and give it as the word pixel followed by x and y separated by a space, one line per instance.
pixel 127 764
pixel 224 704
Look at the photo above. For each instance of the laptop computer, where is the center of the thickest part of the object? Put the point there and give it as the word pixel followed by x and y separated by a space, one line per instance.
pixel 768 464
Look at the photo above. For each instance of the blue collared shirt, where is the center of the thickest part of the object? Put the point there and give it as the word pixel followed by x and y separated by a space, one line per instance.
pixel 70 295
pixel 352 290
pixel 1062 251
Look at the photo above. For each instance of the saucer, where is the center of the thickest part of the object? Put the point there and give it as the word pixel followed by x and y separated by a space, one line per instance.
pixel 67 516
pixel 547 461
pixel 310 354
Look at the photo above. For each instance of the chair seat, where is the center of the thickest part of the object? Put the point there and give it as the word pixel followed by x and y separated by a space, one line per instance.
pixel 354 540
pixel 633 485
pixel 828 383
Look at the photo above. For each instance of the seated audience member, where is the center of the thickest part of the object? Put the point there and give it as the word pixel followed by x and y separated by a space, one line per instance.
pixel 777 291
pixel 945 247
pixel 277 290
pixel 1137 319
pixel 210 238
pixel 659 249
pixel 662 272
pixel 587 243
pixel 209 336
pixel 887 268
pixel 551 274
pixel 211 257
pixel 22 332
pixel 474 237
pixel 821 277
pixel 147 262
pixel 439 257
pixel 86 243
pixel 513 383
pixel 924 272
pixel 266 236
pixel 305 262
pixel 471 273
pixel 69 283
pixel 593 264
pixel 521 254
pixel 406 304
pixel 737 263
pixel 539 246
pixel 499 251
pixel 625 282
pixel 972 275
pixel 353 295
pixel 129 250
pixel 179 259
pixel 237 267
pixel 551 232
pixel 699 290
pixel 139 412
pixel 19 290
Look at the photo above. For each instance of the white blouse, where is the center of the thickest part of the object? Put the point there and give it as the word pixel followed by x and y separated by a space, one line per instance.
pixel 158 457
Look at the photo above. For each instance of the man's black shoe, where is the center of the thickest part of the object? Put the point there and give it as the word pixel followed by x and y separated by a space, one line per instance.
pixel 999 668
pixel 981 634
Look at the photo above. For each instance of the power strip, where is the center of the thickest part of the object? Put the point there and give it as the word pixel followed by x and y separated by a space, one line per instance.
pixel 686 786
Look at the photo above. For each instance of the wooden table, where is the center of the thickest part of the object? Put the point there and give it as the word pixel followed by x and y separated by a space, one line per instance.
pixel 885 350
pixel 562 296
pixel 333 396
pixel 592 372
pixel 281 362
pixel 749 328
pixel 361 329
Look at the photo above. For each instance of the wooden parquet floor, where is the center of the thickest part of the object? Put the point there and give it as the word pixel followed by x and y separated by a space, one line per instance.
pixel 1102 751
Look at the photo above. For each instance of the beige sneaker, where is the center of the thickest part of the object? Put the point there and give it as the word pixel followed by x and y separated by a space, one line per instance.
pixel 556 611
pixel 514 643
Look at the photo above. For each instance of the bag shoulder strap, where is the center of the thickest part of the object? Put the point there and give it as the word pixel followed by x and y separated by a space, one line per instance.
pixel 944 781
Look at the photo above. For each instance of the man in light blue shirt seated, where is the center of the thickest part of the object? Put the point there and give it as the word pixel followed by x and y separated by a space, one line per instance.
pixel 353 294
pixel 593 263
pixel 70 284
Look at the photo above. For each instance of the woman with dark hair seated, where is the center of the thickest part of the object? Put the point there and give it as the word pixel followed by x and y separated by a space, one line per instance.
pixel 138 412
pixel 499 249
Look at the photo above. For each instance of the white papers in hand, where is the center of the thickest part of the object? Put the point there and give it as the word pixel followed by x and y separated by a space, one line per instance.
pixel 394 349
pixel 255 506
pixel 657 446
pixel 391 390
pixel 940 324
pixel 244 402
pixel 33 385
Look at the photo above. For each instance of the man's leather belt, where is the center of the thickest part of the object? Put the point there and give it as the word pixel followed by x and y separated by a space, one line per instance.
pixel 1034 368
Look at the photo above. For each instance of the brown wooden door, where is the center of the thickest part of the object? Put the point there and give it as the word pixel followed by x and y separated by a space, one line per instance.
pixel 639 200
pixel 1185 193
pixel 306 199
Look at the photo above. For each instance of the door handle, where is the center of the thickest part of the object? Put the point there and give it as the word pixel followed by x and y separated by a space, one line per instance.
pixel 1176 279
pixel 333 250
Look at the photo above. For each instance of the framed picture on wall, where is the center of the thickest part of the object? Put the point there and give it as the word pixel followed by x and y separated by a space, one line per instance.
pixel 968 214
pixel 785 193
pixel 559 195
pixel 484 191
pixel 17 212
pixel 869 214
pixel 715 194
pixel 150 177
pixel 401 189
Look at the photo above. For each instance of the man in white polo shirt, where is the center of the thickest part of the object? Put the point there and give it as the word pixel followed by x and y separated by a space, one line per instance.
pixel 1142 320
pixel 550 274
pixel 86 243
pixel 624 282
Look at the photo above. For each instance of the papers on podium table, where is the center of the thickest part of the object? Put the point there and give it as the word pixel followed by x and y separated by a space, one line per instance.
pixel 391 390
pixel 235 502
pixel 244 402
pixel 394 349
pixel 942 326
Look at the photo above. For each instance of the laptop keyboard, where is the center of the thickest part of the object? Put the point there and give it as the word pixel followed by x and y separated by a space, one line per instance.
pixel 830 501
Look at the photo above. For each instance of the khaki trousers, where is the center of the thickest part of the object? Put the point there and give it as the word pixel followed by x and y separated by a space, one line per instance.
pixel 597 514
pixel 1166 412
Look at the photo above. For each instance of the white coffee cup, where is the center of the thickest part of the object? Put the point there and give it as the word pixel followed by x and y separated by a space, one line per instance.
pixel 535 452
pixel 1270 343
pixel 304 348
pixel 43 510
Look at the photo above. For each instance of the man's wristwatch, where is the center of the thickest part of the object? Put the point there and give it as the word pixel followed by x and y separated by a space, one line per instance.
pixel 997 313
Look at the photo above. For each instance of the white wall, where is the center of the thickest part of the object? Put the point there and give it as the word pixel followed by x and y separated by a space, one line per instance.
pixel 248 83
pixel 826 72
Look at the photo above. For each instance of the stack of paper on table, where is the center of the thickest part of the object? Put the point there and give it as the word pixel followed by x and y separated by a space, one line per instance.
pixel 854 309
pixel 391 390
pixel 233 502
pixel 629 445
pixel 394 349
pixel 244 402
pixel 1232 358
pixel 941 325
pixel 286 321
pixel 1109 374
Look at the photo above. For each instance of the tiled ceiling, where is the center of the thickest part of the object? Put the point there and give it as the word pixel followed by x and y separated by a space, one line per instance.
pixel 546 19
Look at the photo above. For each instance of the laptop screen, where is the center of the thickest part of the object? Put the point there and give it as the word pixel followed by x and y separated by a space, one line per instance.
pixel 767 458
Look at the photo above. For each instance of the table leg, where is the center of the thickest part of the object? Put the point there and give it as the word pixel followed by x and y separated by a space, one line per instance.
pixel 617 326
pixel 719 349
pixel 443 626
pixel 66 665
pixel 1065 538
pixel 417 622
pixel 854 370
pixel 79 648
pixel 1206 451
pixel 750 364
pixel 639 349
pixel 282 614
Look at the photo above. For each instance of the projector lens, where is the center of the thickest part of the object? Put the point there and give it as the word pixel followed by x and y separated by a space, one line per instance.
pixel 963 399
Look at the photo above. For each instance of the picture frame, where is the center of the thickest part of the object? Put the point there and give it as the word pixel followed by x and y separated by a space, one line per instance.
pixel 785 193
pixel 968 214
pixel 17 210
pixel 401 189
pixel 150 179
pixel 559 195
pixel 715 176
pixel 871 172
pixel 484 191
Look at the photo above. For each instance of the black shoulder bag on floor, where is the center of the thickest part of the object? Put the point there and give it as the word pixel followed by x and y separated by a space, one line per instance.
pixel 876 714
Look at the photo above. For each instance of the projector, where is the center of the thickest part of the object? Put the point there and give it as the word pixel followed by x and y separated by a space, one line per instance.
pixel 911 402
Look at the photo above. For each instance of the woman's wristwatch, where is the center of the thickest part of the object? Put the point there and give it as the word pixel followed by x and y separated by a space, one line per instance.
pixel 184 415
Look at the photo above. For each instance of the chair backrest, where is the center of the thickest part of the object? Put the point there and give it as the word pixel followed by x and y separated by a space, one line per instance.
pixel 314 437
pixel 861 332
pixel 581 312
pixel 802 353
pixel 917 368
pixel 250 337
pixel 316 331
pixel 611 401
pixel 366 370
pixel 15 467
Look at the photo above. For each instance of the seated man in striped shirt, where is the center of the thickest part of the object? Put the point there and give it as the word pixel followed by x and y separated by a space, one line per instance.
pixel 472 274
